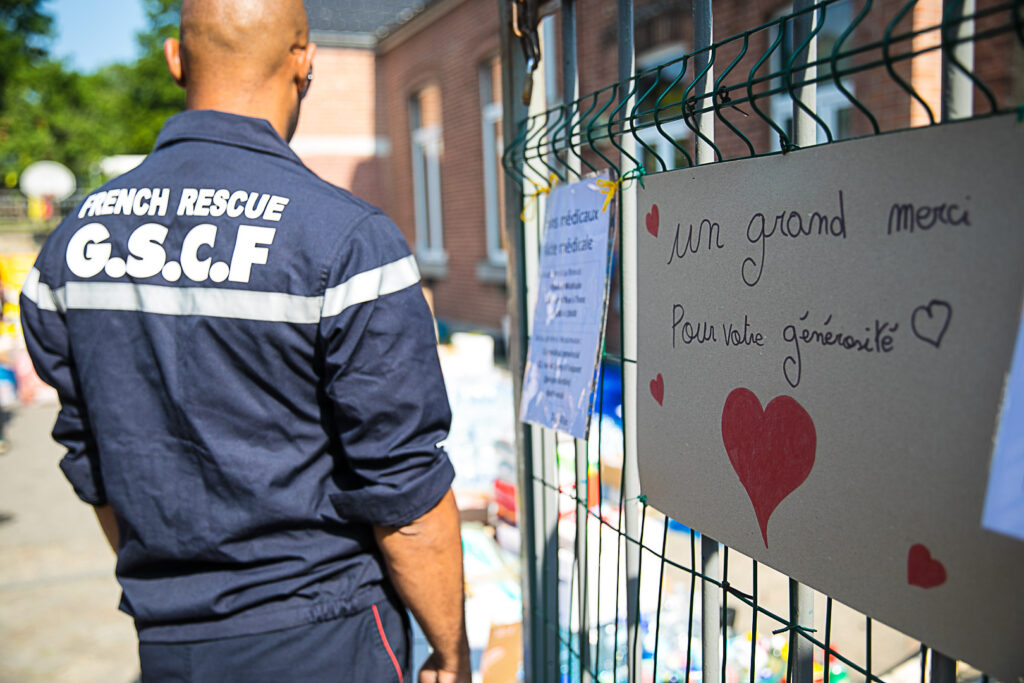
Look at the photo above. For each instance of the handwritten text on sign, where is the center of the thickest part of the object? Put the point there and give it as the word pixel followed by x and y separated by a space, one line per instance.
pixel 824 338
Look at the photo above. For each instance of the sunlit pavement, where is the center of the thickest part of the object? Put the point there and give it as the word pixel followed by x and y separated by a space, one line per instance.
pixel 58 597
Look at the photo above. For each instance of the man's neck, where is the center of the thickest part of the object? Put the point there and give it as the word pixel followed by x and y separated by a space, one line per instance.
pixel 258 104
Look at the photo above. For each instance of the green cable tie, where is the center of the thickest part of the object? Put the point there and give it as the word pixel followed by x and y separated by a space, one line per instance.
pixel 794 627
pixel 637 174
pixel 729 588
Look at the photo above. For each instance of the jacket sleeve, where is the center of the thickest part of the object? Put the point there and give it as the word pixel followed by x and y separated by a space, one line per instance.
pixel 46 336
pixel 383 382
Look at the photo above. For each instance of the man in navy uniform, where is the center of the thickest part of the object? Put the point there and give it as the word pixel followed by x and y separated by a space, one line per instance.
pixel 250 392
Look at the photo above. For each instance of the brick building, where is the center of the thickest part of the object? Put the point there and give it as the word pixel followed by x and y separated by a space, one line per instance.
pixel 405 110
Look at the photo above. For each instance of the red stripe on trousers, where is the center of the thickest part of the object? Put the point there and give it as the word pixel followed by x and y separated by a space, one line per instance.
pixel 387 645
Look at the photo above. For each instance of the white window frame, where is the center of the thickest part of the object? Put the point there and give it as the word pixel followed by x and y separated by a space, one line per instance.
pixel 677 130
pixel 427 146
pixel 662 146
pixel 830 100
pixel 490 115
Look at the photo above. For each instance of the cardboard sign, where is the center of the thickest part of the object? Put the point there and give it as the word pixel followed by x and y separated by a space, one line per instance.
pixel 824 339
pixel 502 661
pixel 568 320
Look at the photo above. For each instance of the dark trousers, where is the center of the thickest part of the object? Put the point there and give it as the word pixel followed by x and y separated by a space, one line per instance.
pixel 373 645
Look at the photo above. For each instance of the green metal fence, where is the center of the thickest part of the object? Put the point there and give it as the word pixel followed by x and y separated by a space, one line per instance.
pixel 613 589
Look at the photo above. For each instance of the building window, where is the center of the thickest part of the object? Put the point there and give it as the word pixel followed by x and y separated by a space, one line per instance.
pixel 427 148
pixel 493 270
pixel 661 85
pixel 833 107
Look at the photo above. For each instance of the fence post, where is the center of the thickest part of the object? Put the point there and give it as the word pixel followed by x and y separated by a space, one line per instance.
pixel 570 67
pixel 548 438
pixel 539 551
pixel 957 89
pixel 942 669
pixel 805 130
pixel 569 89
pixel 546 445
pixel 703 36
pixel 582 504
pixel 514 112
pixel 711 611
pixel 805 134
pixel 630 471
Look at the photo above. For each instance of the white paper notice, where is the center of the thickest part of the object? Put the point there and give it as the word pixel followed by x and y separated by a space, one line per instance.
pixel 1004 503
pixel 568 320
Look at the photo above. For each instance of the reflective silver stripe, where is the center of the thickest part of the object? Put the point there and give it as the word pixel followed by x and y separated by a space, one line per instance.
pixel 224 303
pixel 39 293
pixel 30 287
pixel 217 303
pixel 367 286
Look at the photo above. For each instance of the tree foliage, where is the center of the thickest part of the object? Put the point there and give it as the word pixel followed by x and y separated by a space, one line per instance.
pixel 24 28
pixel 48 111
pixel 150 93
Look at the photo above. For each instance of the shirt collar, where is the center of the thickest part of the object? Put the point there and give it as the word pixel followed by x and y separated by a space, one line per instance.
pixel 226 129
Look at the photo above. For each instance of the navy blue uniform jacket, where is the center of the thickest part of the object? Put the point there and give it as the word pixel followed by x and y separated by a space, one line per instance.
pixel 247 373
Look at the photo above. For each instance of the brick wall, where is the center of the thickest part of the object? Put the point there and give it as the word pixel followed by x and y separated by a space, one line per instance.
pixel 449 54
pixel 998 62
pixel 338 135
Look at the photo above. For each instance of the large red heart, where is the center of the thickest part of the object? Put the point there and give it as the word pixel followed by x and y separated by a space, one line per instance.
pixel 658 388
pixel 653 220
pixel 922 569
pixel 772 450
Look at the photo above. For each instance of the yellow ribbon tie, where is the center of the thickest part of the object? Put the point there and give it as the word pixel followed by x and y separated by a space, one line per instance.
pixel 608 187
pixel 531 199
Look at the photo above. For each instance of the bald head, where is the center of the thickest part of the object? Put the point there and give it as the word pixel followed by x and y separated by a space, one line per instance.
pixel 240 40
pixel 247 57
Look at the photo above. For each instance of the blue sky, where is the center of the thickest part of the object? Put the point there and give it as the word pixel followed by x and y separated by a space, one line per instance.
pixel 91 37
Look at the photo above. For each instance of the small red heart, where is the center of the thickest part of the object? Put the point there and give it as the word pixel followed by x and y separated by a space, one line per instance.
pixel 652 220
pixel 772 450
pixel 658 388
pixel 922 569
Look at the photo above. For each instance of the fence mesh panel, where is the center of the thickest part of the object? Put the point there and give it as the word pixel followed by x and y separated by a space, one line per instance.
pixel 862 76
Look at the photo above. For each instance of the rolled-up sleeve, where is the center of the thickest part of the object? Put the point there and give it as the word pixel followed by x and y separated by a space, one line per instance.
pixel 46 336
pixel 383 381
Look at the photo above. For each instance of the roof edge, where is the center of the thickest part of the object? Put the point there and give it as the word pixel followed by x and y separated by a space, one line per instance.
pixel 350 39
pixel 434 10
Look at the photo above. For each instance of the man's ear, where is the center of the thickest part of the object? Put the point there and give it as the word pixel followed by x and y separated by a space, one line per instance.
pixel 303 63
pixel 172 53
